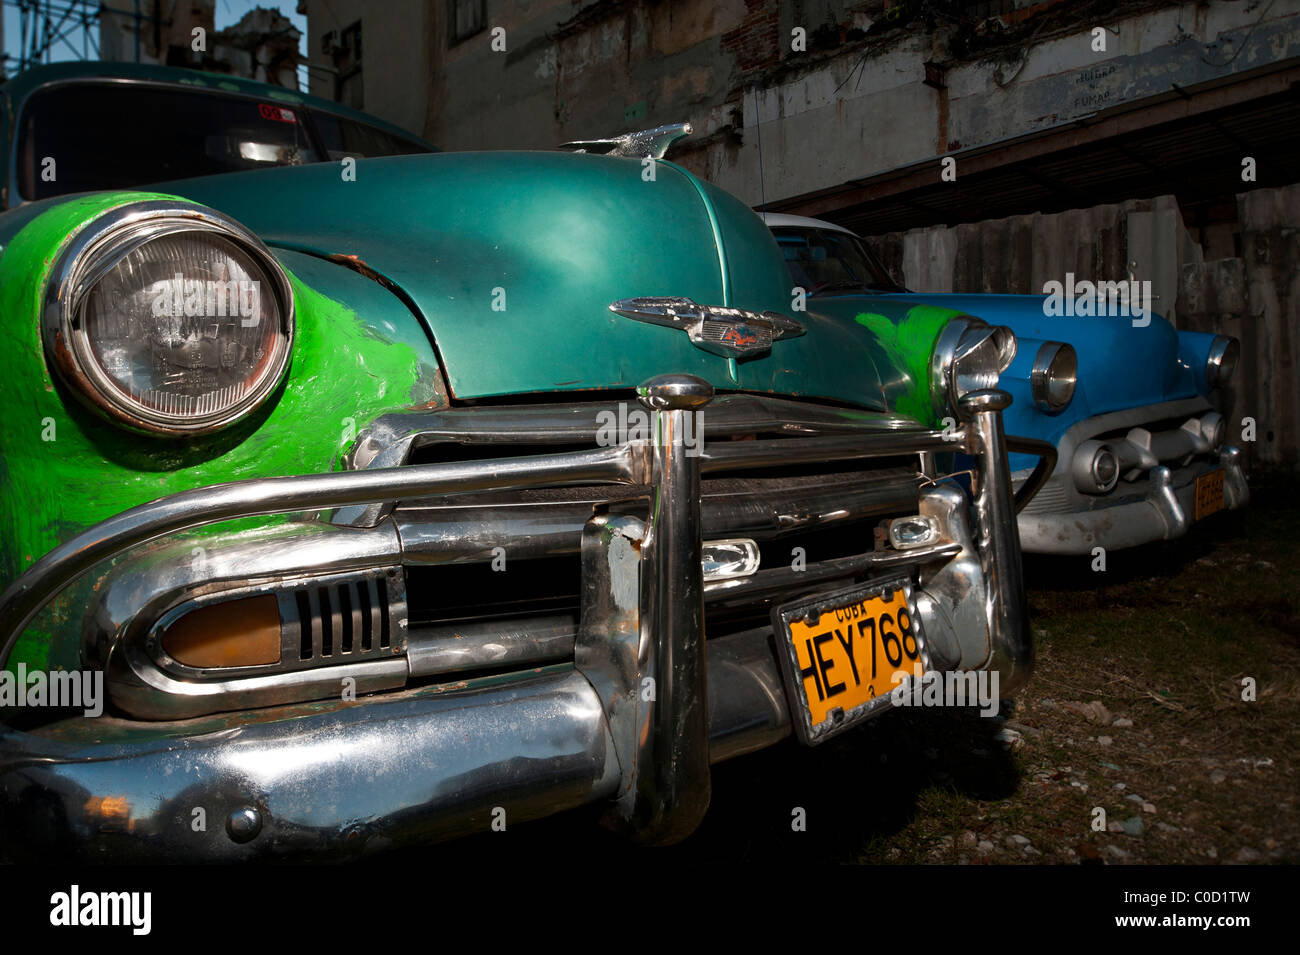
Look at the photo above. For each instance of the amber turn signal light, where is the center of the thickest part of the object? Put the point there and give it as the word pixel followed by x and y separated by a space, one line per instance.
pixel 237 633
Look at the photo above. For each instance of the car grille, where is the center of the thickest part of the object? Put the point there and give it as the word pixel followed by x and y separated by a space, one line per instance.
pixel 349 619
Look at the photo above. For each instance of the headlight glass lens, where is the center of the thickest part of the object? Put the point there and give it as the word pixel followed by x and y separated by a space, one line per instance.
pixel 186 325
pixel 169 318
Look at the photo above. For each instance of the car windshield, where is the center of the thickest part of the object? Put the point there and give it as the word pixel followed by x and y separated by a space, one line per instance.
pixel 822 261
pixel 76 137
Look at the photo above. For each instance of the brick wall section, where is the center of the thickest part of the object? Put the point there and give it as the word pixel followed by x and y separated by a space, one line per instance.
pixel 756 44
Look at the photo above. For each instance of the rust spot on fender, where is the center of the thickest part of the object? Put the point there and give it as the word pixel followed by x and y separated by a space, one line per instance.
pixel 357 264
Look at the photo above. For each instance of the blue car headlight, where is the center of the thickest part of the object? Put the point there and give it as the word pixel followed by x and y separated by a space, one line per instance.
pixel 1222 360
pixel 1054 376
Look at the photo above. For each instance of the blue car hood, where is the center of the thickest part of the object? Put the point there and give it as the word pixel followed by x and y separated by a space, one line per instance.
pixel 1120 365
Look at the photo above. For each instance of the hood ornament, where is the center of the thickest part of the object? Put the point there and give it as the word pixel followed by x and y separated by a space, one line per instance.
pixel 730 332
pixel 644 144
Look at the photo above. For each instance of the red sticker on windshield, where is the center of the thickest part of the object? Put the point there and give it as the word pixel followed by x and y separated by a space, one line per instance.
pixel 277 113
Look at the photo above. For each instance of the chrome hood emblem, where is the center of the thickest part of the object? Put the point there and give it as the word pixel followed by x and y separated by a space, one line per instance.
pixel 730 332
pixel 642 144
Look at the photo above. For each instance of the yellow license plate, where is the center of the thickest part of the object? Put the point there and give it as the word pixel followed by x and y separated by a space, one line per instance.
pixel 842 655
pixel 1209 494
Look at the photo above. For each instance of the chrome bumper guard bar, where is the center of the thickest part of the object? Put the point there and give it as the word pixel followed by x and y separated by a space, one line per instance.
pixel 635 721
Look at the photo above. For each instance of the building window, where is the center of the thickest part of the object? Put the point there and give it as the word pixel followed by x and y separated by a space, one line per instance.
pixel 464 19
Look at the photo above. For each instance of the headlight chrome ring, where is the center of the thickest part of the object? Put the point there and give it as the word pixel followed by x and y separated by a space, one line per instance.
pixel 184 354
pixel 1222 360
pixel 970 355
pixel 1054 376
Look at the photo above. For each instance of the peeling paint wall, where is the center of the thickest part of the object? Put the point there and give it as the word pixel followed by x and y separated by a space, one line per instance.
pixel 870 110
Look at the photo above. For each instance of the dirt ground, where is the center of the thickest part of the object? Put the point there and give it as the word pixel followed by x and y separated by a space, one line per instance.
pixel 1136 707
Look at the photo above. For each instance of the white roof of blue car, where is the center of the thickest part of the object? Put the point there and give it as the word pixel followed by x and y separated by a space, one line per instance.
pixel 777 219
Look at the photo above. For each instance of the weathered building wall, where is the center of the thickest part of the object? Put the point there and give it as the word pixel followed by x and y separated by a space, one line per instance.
pixel 1256 297
pixel 869 109
pixel 397 39
pixel 879 85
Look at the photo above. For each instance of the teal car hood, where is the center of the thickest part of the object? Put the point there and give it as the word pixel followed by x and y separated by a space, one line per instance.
pixel 512 258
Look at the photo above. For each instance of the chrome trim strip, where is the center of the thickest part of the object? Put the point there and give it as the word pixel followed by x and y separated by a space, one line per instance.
pixel 442 531
pixel 781 580
pixel 391 439
pixel 46 578
pixel 735 455
pixel 498 644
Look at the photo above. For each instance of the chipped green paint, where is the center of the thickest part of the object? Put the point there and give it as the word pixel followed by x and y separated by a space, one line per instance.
pixel 909 345
pixel 63 469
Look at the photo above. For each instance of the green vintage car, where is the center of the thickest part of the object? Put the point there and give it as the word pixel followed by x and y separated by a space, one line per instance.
pixel 357 494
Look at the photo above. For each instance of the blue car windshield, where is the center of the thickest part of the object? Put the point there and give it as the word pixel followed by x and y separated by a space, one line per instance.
pixel 823 261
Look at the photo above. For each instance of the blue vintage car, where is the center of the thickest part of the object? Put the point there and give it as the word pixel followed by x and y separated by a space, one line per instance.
pixel 1126 400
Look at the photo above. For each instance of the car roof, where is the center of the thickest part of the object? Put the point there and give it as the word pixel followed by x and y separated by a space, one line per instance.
pixel 777 219
pixel 20 85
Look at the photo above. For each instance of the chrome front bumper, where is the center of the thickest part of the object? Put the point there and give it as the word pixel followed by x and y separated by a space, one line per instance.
pixel 1166 512
pixel 1153 493
pixel 633 721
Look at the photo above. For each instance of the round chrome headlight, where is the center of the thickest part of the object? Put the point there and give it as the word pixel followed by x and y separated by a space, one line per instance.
pixel 169 318
pixel 1054 376
pixel 1222 360
pixel 969 356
